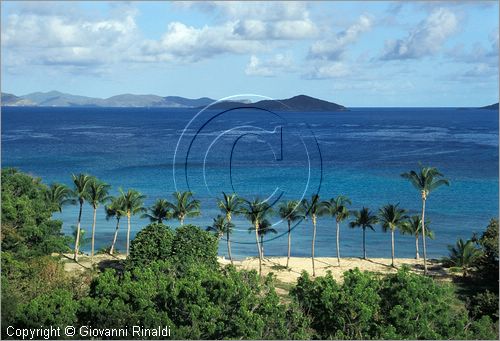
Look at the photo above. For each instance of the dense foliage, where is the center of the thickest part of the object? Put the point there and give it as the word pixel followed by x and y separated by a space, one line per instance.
pixel 399 306
pixel 154 242
pixel 173 278
pixel 27 226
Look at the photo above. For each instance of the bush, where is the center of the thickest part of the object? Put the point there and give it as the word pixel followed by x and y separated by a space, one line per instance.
pixel 399 306
pixel 200 303
pixel 483 304
pixel 191 245
pixel 350 310
pixel 152 243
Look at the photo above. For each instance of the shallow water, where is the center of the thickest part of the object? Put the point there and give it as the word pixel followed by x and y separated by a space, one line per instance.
pixel 361 154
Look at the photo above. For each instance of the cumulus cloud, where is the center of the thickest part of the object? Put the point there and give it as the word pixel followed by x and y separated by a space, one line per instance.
pixel 327 71
pixel 269 67
pixel 334 48
pixel 41 37
pixel 424 40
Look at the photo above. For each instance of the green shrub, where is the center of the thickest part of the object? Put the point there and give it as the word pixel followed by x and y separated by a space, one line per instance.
pixel 152 243
pixel 347 311
pixel 192 245
pixel 483 304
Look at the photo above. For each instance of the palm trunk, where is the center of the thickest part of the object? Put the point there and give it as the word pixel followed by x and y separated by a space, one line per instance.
pixel 417 256
pixel 181 220
pixel 229 247
pixel 289 243
pixel 392 245
pixel 364 244
pixel 258 247
pixel 313 242
pixel 112 249
pixel 93 236
pixel 228 218
pixel 262 245
pixel 423 236
pixel 128 233
pixel 338 243
pixel 77 241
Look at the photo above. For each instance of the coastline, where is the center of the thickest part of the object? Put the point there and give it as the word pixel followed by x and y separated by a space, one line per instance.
pixel 276 265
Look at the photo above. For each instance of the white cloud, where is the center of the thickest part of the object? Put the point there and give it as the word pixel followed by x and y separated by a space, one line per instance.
pixel 38 37
pixel 334 48
pixel 426 39
pixel 270 67
pixel 329 70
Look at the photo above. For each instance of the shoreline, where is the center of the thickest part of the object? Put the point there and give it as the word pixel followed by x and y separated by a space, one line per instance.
pixel 277 265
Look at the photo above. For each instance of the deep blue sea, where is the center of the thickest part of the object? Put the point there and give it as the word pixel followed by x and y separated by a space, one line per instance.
pixel 359 153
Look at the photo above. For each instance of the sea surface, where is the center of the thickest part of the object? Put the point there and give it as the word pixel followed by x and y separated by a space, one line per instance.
pixel 276 156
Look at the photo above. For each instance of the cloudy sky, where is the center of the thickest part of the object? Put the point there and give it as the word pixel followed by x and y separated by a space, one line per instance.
pixel 436 53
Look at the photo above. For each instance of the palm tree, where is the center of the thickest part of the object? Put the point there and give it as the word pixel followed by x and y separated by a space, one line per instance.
pixel 337 208
pixel 221 226
pixel 184 206
pixel 391 217
pixel 81 183
pixel 463 255
pixel 132 204
pixel 229 205
pixel 158 212
pixel 290 211
pixel 313 209
pixel 265 227
pixel 413 227
pixel 256 211
pixel 364 218
pixel 115 209
pixel 97 193
pixel 427 180
pixel 59 195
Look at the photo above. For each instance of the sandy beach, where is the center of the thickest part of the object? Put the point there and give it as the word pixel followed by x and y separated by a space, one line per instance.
pixel 277 265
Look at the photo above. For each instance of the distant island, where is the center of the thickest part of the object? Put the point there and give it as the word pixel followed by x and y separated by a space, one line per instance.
pixel 59 99
pixel 296 103
pixel 490 107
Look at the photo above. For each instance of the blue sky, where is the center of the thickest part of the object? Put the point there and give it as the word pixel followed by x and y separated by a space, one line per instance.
pixel 437 53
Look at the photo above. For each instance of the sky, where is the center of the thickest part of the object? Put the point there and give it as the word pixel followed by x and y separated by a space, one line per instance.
pixel 378 54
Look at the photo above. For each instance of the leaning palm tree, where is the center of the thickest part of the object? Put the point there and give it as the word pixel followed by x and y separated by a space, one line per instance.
pixel 265 228
pixel 337 208
pixel 59 195
pixel 184 206
pixel 463 255
pixel 391 217
pixel 256 211
pixel 97 193
pixel 427 180
pixel 80 183
pixel 364 219
pixel 158 212
pixel 132 204
pixel 313 209
pixel 229 205
pixel 115 209
pixel 413 227
pixel 220 227
pixel 291 211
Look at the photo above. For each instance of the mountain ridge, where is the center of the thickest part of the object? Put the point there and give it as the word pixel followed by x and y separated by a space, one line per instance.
pixel 60 99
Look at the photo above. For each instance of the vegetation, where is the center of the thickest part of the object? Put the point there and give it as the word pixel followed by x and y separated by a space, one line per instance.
pixel 81 183
pixel 184 206
pixel 172 278
pixel 290 211
pixel 313 209
pixel 364 219
pixel 391 217
pixel 132 203
pixel 413 226
pixel 159 212
pixel 97 194
pixel 229 205
pixel 115 209
pixel 338 209
pixel 425 181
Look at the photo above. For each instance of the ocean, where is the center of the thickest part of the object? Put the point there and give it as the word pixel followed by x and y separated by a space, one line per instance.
pixel 359 153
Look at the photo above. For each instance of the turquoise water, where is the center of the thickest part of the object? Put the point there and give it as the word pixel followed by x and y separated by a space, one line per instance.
pixel 359 153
